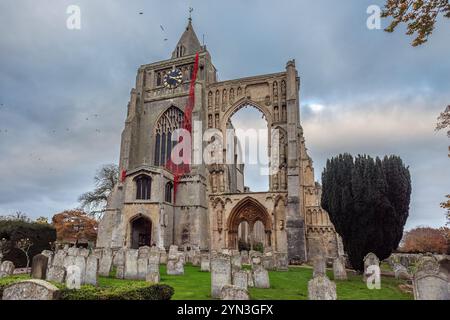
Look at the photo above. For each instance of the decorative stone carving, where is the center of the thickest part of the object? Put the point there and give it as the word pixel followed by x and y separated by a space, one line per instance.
pixel 428 282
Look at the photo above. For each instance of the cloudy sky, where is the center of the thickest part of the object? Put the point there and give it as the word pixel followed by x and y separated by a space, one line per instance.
pixel 63 93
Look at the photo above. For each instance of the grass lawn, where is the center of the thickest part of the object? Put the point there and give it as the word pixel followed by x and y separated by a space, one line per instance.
pixel 291 285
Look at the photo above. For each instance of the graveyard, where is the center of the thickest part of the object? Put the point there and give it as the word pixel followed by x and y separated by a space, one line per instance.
pixel 195 284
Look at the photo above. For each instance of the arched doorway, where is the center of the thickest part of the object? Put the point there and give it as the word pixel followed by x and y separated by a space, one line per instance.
pixel 141 232
pixel 249 221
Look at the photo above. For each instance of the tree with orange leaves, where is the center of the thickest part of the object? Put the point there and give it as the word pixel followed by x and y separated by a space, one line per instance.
pixel 73 226
pixel 426 239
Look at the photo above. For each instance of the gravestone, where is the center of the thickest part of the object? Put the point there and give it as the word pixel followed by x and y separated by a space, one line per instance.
pixel 58 260
pixel 119 258
pixel 143 252
pixel 49 255
pixel 91 275
pixel 401 272
pixel 39 266
pixel 204 265
pixel 244 257
pixel 339 271
pixel 120 272
pixel 153 271
pixel 319 265
pixel 236 262
pixel 72 251
pixel 196 259
pixel 97 252
pixel 261 277
pixel 281 261
pixel 73 277
pixel 321 288
pixel 369 260
pixel 175 267
pixel 220 273
pixel 250 282
pixel 173 251
pixel 142 264
pixel 6 269
pixel 81 263
pixel 83 252
pixel 240 279
pixel 230 292
pixel 255 261
pixel 131 264
pixel 56 274
pixel 105 263
pixel 429 283
pixel 34 289
pixel 268 261
pixel 68 261
pixel 163 256
pixel 154 258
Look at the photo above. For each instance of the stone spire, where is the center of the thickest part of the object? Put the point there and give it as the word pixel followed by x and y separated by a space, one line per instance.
pixel 188 43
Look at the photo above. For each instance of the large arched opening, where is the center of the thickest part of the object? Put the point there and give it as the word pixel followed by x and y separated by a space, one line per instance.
pixel 249 226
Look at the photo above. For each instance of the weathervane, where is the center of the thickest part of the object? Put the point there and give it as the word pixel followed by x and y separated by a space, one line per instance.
pixel 190 13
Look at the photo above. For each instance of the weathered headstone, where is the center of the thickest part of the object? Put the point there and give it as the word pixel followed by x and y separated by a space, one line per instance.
pixel 230 292
pixel 236 262
pixel 119 258
pixel 120 272
pixel 268 261
pixel 173 251
pixel 281 261
pixel 72 251
pixel 34 289
pixel 369 260
pixel 49 255
pixel 81 263
pixel 244 257
pixel 240 279
pixel 69 261
pixel 401 272
pixel 175 266
pixel 143 252
pixel 154 258
pixel 6 268
pixel 91 275
pixel 163 256
pixel 105 263
pixel 321 288
pixel 83 252
pixel 142 264
pixel 131 264
pixel 39 266
pixel 220 273
pixel 339 271
pixel 73 277
pixel 429 283
pixel 261 277
pixel 319 264
pixel 250 282
pixel 153 271
pixel 196 259
pixel 56 274
pixel 204 265
pixel 58 260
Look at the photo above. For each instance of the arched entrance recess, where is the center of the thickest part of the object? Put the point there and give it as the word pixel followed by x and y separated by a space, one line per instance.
pixel 250 211
pixel 141 232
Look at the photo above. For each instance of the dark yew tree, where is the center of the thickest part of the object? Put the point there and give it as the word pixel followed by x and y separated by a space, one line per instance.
pixel 368 202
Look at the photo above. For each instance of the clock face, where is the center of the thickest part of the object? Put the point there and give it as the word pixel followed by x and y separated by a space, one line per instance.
pixel 173 78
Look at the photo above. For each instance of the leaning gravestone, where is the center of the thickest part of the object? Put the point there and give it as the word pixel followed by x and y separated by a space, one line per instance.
pixel 400 272
pixel 428 282
pixel 319 266
pixel 339 271
pixel 220 273
pixel 39 266
pixel 131 264
pixel 321 288
pixel 73 278
pixel 370 260
pixel 204 265
pixel 6 269
pixel 34 289
pixel 105 263
pixel 240 279
pixel 56 274
pixel 230 292
pixel 261 277
pixel 91 275
pixel 58 260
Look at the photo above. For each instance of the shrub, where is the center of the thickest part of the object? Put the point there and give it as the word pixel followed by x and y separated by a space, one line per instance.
pixel 40 234
pixel 87 292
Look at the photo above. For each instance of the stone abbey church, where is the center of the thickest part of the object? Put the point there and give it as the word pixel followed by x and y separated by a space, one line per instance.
pixel 212 208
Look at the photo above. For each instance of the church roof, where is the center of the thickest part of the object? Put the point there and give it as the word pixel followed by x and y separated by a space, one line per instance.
pixel 188 43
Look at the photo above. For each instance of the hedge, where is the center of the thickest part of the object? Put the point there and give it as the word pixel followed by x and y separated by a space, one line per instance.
pixel 87 292
pixel 40 234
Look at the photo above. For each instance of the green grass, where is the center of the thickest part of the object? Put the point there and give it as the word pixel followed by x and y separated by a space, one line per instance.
pixel 291 285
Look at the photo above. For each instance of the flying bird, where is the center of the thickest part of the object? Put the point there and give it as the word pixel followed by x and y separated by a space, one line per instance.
pixel 162 28
pixel 141 13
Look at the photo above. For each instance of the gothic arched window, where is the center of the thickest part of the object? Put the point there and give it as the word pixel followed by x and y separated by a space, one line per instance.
pixel 171 120
pixel 168 192
pixel 143 187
